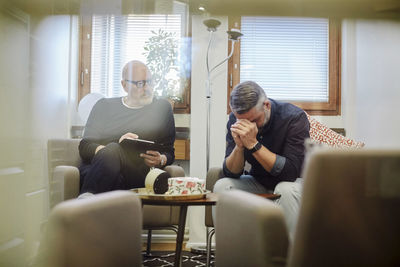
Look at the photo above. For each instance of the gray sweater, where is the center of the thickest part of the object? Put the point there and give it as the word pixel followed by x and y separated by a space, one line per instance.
pixel 110 119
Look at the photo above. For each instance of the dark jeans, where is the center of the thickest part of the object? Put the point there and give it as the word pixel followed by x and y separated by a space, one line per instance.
pixel 112 168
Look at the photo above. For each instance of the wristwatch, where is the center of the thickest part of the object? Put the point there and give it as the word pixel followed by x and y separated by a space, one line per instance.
pixel 255 148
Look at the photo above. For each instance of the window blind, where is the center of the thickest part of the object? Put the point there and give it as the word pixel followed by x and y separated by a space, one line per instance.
pixel 288 57
pixel 119 39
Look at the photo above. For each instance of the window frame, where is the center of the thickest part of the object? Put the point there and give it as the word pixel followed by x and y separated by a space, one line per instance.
pixel 333 106
pixel 85 64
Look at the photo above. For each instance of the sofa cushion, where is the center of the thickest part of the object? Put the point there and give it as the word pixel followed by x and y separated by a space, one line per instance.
pixel 322 134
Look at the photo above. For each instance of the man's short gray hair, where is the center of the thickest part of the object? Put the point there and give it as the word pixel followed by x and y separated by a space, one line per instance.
pixel 245 96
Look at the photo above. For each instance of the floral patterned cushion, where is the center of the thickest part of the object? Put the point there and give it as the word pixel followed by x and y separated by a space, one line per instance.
pixel 321 134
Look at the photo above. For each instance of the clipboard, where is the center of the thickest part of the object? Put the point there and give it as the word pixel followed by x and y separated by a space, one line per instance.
pixel 141 145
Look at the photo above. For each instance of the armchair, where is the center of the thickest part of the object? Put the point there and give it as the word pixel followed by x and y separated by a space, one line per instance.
pixel 348 195
pixel 251 231
pixel 104 230
pixel 63 162
pixel 349 214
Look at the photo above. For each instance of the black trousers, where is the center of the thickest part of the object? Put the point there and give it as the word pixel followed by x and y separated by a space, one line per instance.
pixel 113 168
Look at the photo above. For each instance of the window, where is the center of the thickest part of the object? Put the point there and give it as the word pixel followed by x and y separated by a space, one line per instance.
pixel 160 41
pixel 295 59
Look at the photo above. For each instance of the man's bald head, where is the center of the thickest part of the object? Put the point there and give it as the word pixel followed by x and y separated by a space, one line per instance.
pixel 134 66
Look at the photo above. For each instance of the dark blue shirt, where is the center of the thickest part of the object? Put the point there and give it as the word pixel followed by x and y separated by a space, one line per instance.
pixel 284 135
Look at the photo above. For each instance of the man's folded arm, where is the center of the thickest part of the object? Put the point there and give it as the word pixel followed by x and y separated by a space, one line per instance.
pixel 289 163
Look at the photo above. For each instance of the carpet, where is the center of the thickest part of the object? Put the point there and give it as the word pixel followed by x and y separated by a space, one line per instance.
pixel 166 258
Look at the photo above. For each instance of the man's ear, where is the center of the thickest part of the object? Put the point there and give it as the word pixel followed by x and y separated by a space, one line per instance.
pixel 123 83
pixel 267 105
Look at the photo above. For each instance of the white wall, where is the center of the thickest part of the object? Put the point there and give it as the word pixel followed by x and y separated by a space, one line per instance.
pixel 371 86
pixel 54 73
pixel 377 117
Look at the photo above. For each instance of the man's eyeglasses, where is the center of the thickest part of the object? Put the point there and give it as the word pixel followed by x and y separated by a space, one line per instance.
pixel 141 83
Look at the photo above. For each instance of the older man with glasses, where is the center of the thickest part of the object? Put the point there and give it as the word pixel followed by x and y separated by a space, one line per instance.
pixel 106 164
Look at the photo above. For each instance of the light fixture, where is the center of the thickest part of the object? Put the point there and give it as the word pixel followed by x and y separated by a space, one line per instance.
pixel 234 34
pixel 212 24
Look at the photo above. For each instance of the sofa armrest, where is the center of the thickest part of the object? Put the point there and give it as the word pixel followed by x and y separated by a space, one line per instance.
pixel 64 185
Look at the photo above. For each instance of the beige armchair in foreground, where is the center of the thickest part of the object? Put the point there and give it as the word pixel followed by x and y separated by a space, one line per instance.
pixel 101 231
pixel 349 215
pixel 63 162
pixel 251 231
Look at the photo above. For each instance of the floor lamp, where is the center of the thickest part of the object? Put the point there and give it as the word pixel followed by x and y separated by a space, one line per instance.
pixel 233 36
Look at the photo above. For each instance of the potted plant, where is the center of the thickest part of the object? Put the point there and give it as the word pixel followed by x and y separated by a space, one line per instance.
pixel 161 52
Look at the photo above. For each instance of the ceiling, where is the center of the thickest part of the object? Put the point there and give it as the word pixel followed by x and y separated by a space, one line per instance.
pixel 314 8
pixel 387 9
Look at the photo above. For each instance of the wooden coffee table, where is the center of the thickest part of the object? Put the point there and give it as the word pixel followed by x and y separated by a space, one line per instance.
pixel 210 199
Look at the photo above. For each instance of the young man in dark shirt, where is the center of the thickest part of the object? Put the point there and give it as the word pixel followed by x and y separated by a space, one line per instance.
pixel 106 164
pixel 270 136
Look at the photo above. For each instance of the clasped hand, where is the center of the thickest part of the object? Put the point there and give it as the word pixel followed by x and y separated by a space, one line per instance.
pixel 151 158
pixel 244 133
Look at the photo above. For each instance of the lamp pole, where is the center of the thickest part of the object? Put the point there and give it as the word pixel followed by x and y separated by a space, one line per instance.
pixel 233 36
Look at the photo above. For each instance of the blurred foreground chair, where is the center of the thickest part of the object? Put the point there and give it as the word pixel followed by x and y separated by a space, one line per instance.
pixel 63 162
pixel 251 231
pixel 101 231
pixel 350 211
pixel 349 215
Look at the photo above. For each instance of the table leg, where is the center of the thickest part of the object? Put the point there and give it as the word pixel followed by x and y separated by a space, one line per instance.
pixel 180 235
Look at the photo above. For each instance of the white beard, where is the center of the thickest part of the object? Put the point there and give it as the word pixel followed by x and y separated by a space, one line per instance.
pixel 146 100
